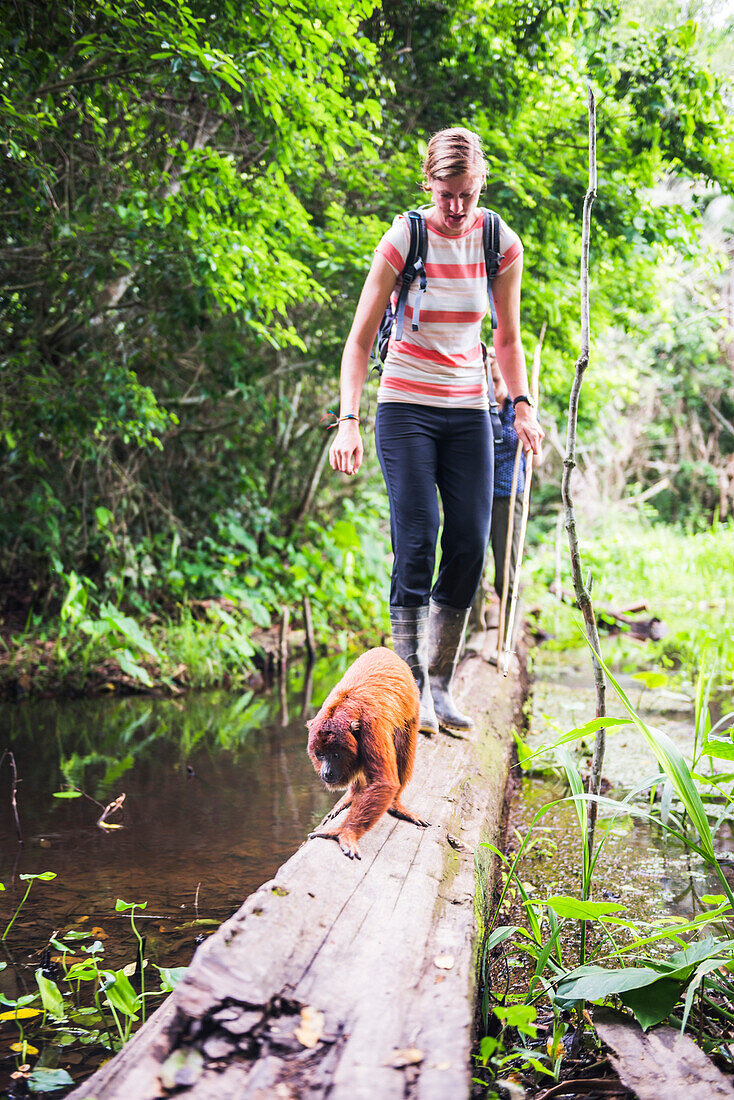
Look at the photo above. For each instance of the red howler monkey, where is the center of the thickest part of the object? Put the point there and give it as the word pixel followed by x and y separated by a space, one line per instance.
pixel 364 738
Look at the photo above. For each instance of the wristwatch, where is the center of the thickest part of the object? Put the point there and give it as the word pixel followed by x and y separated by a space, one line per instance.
pixel 522 398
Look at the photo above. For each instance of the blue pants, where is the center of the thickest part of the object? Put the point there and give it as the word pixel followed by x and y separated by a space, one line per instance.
pixel 422 449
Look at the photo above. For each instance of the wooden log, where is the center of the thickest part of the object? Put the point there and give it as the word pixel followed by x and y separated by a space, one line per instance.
pixel 354 979
pixel 660 1062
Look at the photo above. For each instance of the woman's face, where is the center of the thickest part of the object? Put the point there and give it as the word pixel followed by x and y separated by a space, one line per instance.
pixel 456 202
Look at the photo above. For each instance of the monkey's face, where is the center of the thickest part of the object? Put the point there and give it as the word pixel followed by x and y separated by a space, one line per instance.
pixel 333 749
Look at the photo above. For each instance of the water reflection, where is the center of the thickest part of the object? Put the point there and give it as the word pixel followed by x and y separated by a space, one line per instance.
pixel 219 792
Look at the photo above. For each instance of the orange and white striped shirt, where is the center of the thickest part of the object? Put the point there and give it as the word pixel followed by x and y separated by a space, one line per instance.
pixel 442 364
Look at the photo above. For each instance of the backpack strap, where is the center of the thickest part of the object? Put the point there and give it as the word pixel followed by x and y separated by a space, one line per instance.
pixel 494 409
pixel 415 265
pixel 492 255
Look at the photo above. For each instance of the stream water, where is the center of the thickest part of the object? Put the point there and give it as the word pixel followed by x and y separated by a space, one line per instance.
pixel 219 791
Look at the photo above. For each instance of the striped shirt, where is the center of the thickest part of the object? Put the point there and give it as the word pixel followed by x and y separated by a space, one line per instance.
pixel 442 364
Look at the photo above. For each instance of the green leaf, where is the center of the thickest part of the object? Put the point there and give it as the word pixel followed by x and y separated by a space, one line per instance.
pixel 653 1003
pixel 49 1080
pixel 651 679
pixel 132 668
pixel 519 1016
pixel 67 794
pixel 719 750
pixel 576 909
pixel 591 983
pixel 171 976
pixel 500 934
pixel 125 906
pixel 701 949
pixel 120 993
pixel 579 733
pixel 702 970
pixel 51 997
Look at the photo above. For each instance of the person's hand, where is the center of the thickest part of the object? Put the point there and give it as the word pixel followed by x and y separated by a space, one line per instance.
pixel 346 452
pixel 529 431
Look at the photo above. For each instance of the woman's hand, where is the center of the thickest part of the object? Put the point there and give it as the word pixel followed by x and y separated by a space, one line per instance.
pixel 529 431
pixel 346 452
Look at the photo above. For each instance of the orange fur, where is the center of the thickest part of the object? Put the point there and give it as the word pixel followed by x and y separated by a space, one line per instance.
pixel 364 738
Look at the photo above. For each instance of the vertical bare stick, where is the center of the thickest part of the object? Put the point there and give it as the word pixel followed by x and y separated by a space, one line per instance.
pixel 284 625
pixel 506 643
pixel 508 552
pixel 283 670
pixel 583 594
pixel 13 791
pixel 507 651
pixel 308 627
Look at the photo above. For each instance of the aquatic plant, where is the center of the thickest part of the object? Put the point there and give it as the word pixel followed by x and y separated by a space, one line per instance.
pixel 44 876
pixel 80 999
pixel 657 973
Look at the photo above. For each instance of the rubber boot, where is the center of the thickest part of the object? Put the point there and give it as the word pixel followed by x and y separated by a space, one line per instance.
pixel 410 641
pixel 445 635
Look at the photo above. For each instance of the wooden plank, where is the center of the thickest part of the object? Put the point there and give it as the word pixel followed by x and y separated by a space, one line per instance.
pixel 375 960
pixel 660 1062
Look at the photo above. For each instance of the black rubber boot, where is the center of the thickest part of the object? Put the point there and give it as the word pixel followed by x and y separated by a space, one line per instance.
pixel 445 635
pixel 410 641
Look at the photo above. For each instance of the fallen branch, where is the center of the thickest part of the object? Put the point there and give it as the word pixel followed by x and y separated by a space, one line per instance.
pixel 112 808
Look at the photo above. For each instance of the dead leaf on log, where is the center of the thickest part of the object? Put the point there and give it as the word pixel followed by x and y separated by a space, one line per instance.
pixel 407 1056
pixel 311 1028
pixel 456 844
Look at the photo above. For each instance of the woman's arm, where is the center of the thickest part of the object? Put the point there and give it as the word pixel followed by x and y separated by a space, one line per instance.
pixel 510 354
pixel 345 453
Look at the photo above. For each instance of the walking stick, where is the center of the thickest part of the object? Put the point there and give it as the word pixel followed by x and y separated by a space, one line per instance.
pixel 508 551
pixel 507 644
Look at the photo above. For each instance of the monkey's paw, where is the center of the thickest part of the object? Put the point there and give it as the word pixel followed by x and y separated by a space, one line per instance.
pixel 399 810
pixel 347 841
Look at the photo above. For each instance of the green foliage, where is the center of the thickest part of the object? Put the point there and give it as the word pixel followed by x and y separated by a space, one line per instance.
pixel 192 197
pixel 685 577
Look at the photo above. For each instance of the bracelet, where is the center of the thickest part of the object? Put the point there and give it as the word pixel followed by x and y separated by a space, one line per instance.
pixel 338 419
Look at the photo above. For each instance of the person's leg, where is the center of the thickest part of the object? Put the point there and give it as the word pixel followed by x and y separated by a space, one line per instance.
pixel 498 540
pixel 464 478
pixel 406 440
pixel 407 452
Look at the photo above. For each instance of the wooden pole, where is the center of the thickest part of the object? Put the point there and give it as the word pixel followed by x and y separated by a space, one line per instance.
pixel 308 627
pixel 506 643
pixel 508 552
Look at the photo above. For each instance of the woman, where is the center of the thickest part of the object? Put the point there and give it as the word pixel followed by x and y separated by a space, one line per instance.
pixel 432 427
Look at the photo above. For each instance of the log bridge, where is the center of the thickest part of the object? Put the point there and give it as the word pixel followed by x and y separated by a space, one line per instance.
pixel 348 979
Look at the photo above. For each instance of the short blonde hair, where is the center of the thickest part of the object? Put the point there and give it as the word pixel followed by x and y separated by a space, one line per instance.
pixel 453 152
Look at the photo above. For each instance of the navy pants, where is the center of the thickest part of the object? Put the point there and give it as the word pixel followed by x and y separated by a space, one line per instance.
pixel 421 450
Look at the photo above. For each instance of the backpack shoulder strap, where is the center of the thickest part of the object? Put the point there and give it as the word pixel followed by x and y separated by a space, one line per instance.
pixel 492 255
pixel 415 265
pixel 494 409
